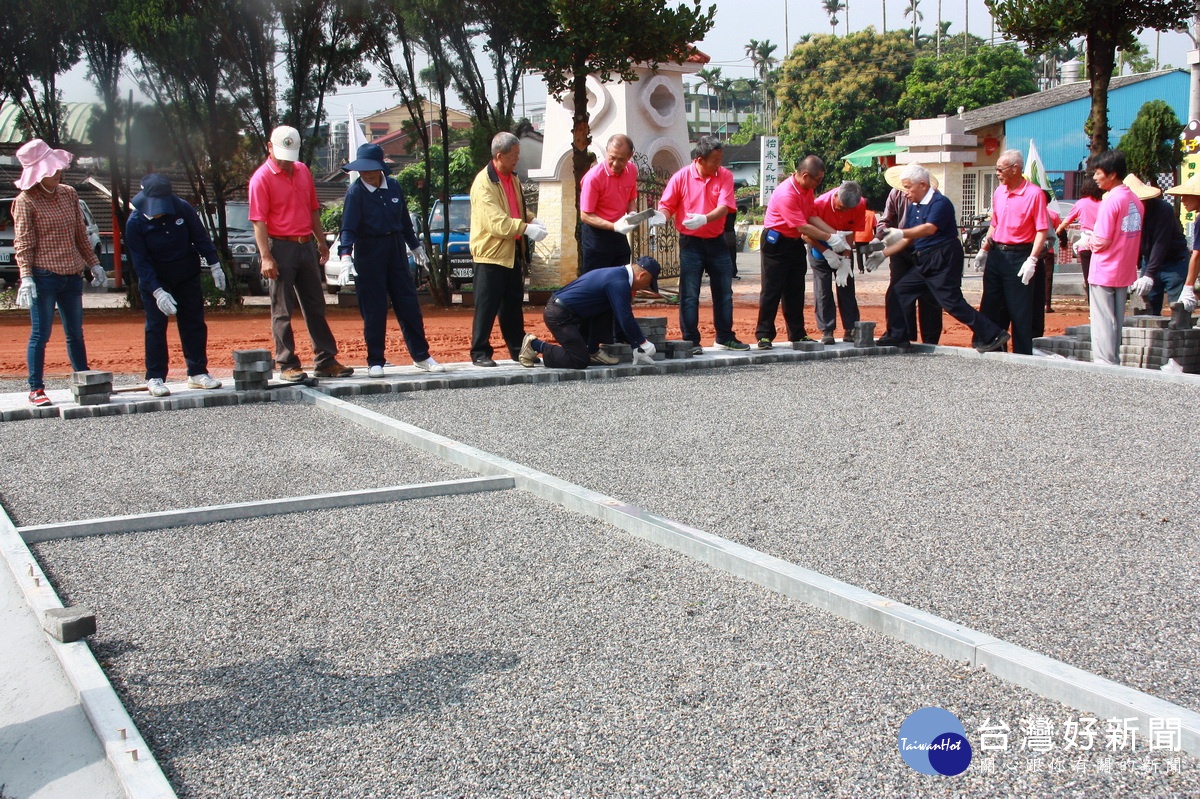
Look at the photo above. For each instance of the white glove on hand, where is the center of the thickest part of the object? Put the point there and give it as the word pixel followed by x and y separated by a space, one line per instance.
pixel 347 270
pixel 1083 243
pixel 645 353
pixel 892 235
pixel 1142 285
pixel 980 260
pixel 874 260
pixel 98 277
pixel 218 274
pixel 837 242
pixel 695 221
pixel 27 293
pixel 420 257
pixel 536 231
pixel 623 225
pixel 1027 269
pixel 1187 297
pixel 166 303
pixel 845 268
pixel 659 218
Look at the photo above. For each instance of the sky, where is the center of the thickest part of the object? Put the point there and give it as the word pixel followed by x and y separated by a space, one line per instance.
pixel 736 24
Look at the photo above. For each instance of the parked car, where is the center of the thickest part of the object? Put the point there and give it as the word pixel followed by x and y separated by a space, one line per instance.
pixel 247 263
pixel 334 265
pixel 9 272
pixel 461 265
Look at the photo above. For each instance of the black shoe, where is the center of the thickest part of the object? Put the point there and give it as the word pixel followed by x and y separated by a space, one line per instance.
pixel 484 361
pixel 827 339
pixel 995 344
pixel 848 338
pixel 888 341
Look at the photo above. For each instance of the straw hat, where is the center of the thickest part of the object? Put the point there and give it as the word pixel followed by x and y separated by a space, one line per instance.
pixel 892 176
pixel 39 161
pixel 1141 190
pixel 1191 187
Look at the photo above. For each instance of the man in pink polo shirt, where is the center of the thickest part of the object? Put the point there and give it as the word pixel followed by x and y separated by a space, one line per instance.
pixel 1013 242
pixel 607 195
pixel 290 239
pixel 698 197
pixel 1116 243
pixel 842 209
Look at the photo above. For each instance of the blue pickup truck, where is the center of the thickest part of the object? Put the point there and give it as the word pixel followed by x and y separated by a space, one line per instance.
pixel 461 268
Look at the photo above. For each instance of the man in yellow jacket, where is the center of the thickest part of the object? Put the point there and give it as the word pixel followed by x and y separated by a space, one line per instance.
pixel 499 225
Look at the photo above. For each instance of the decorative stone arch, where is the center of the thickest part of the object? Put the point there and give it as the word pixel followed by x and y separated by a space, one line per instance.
pixel 659 101
pixel 665 154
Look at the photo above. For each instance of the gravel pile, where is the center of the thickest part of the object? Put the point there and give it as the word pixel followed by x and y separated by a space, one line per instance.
pixel 496 645
pixel 1048 508
pixel 55 470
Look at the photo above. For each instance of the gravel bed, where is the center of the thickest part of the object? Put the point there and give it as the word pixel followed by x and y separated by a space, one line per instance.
pixel 1049 508
pixel 58 470
pixel 496 645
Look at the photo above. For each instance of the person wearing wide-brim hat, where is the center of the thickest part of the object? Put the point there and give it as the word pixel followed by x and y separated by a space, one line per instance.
pixel 376 226
pixel 1164 251
pixel 1189 193
pixel 52 251
pixel 925 314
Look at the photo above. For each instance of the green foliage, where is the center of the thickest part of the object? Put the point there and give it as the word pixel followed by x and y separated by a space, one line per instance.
pixel 462 171
pixel 331 217
pixel 1151 145
pixel 747 131
pixel 981 77
pixel 8 298
pixel 230 299
pixel 874 187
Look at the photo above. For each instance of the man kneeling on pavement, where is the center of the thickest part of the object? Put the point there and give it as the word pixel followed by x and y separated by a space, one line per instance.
pixel 600 294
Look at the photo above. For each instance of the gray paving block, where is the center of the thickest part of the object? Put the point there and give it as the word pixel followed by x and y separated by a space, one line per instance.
pixel 69 624
pixel 99 389
pixel 864 334
pixel 1148 322
pixel 252 356
pixel 374 388
pixel 260 395
pixel 260 367
pixel 92 399
pixel 90 377
pixel 808 346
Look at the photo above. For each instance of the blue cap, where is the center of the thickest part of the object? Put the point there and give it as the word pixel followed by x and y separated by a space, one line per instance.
pixel 155 196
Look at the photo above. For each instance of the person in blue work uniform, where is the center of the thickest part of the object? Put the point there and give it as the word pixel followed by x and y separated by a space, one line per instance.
pixel 376 227
pixel 166 242
pixel 599 293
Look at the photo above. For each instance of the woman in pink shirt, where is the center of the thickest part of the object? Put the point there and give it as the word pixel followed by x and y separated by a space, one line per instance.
pixel 1085 213
pixel 1116 243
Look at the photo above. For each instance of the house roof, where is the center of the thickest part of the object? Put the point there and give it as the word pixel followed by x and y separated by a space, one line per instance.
pixel 748 153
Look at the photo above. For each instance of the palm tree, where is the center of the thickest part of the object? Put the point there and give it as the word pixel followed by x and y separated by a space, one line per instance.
pixel 725 92
pixel 763 60
pixel 710 78
pixel 916 15
pixel 883 3
pixel 832 7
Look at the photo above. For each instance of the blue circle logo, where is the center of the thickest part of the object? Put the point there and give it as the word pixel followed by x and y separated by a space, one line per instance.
pixel 933 741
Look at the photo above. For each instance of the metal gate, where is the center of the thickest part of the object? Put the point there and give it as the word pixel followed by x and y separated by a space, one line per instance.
pixel 662 242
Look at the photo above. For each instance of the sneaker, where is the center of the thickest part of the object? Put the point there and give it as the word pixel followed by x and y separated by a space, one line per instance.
pixel 528 357
pixel 765 344
pixel 995 344
pixel 38 397
pixel 205 381
pixel 296 375
pixel 157 387
pixel 377 370
pixel 827 339
pixel 732 344
pixel 427 365
pixel 333 369
pixel 604 359
pixel 697 349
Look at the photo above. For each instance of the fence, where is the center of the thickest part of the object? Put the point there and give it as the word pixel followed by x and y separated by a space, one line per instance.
pixel 662 242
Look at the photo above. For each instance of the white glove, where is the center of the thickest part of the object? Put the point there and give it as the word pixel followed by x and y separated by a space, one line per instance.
pixel 623 225
pixel 218 274
pixel 537 221
pixel 1142 285
pixel 98 277
pixel 837 242
pixel 27 293
pixel 1083 243
pixel 892 235
pixel 1027 269
pixel 1187 297
pixel 347 270
pixel 659 218
pixel 843 270
pixel 645 353
pixel 420 257
pixel 536 231
pixel 874 261
pixel 981 260
pixel 166 303
pixel 695 221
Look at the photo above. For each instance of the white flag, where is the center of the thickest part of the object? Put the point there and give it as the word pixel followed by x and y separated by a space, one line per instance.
pixel 1035 170
pixel 355 138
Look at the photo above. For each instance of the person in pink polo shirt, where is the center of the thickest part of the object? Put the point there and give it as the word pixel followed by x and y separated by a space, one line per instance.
pixel 1013 242
pixel 1116 244
pixel 843 209
pixel 698 197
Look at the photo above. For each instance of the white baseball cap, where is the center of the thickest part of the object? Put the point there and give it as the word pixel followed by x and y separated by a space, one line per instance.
pixel 285 143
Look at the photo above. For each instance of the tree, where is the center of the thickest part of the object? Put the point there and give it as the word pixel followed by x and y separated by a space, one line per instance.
pixel 40 51
pixel 832 7
pixel 988 75
pixel 711 78
pixel 763 60
pixel 917 16
pixel 1106 25
pixel 1151 145
pixel 1137 58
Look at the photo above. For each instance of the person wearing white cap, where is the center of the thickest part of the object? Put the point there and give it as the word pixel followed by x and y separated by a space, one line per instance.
pixel 1189 193
pixel 289 235
pixel 52 251
pixel 1164 252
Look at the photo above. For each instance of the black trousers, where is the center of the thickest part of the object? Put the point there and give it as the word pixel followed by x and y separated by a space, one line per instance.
pixel 181 279
pixel 1006 300
pixel 382 266
pixel 603 248
pixel 940 269
pixel 784 266
pixel 571 352
pixel 498 290
pixel 925 313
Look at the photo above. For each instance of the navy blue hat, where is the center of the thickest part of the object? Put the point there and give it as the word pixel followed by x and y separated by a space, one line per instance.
pixel 651 266
pixel 155 196
pixel 369 159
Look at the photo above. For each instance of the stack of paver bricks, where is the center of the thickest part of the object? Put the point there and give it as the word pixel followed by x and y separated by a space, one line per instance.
pixel 654 328
pixel 1147 342
pixel 1075 343
pixel 91 387
pixel 252 369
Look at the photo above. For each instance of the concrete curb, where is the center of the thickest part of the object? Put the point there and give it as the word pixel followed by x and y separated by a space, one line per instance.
pixel 1064 363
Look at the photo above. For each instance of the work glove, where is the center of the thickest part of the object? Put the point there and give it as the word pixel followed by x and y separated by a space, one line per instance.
pixel 980 260
pixel 98 277
pixel 837 242
pixel 843 266
pixel 1083 243
pixel 166 303
pixel 347 271
pixel 645 353
pixel 27 293
pixel 536 231
pixel 874 260
pixel 623 225
pixel 1027 269
pixel 1187 298
pixel 659 218
pixel 695 221
pixel 1142 285
pixel 892 235
pixel 420 257
pixel 218 274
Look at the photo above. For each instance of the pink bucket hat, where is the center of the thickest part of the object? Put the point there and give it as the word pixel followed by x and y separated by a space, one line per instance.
pixel 38 162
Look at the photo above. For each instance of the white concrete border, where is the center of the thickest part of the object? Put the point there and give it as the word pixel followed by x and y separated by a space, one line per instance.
pixel 1067 364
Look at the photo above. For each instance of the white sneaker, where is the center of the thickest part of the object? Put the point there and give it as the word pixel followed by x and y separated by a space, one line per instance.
pixel 157 387
pixel 429 365
pixel 203 381
pixel 375 371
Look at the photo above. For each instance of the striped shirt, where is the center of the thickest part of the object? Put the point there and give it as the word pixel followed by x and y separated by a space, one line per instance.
pixel 50 233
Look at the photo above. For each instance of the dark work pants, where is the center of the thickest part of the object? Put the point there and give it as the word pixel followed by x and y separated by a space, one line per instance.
pixel 784 265
pixel 925 313
pixel 1085 261
pixel 498 290
pixel 1006 300
pixel 382 266
pixel 603 248
pixel 181 279
pixel 1043 282
pixel 571 352
pixel 940 270
pixel 825 288
pixel 301 283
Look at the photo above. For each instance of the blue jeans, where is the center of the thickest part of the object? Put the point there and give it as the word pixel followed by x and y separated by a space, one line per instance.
pixel 1171 277
pixel 65 291
pixel 697 256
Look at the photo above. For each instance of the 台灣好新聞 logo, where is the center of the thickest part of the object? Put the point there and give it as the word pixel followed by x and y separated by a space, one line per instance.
pixel 934 741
